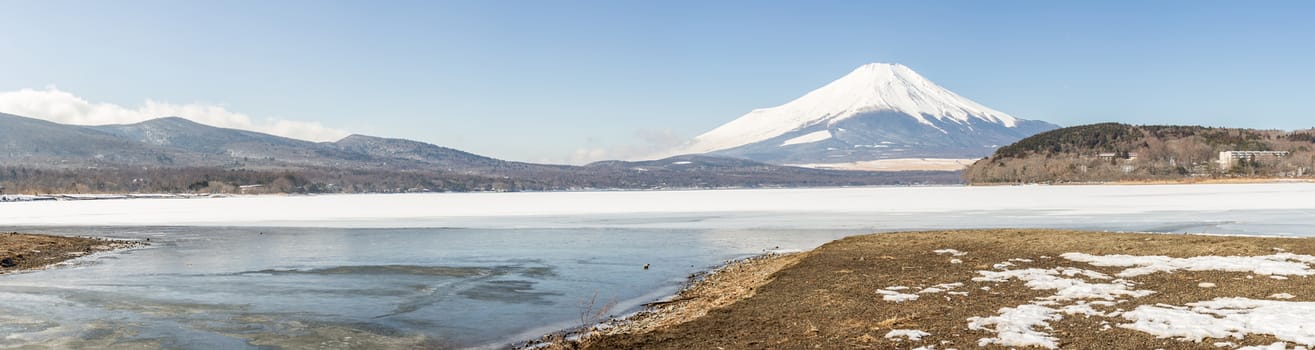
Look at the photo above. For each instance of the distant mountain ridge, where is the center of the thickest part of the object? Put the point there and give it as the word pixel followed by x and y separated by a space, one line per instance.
pixel 191 156
pixel 387 148
pixel 878 111
pixel 39 143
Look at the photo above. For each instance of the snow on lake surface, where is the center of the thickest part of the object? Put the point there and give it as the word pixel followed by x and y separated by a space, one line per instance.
pixel 489 268
pixel 1252 208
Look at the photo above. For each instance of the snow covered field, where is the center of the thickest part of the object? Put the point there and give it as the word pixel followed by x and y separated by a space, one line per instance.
pixel 1080 292
pixel 1246 208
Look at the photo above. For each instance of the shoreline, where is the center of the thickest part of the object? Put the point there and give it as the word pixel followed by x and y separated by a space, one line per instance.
pixel 27 252
pixel 16 199
pixel 825 296
pixel 20 198
pixel 702 292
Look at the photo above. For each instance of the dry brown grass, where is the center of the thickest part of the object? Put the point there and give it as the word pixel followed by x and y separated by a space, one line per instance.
pixel 738 280
pixel 825 298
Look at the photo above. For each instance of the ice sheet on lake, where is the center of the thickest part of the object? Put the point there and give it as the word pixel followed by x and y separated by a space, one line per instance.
pixel 1247 208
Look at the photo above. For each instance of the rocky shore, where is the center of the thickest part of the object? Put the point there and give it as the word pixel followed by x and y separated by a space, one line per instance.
pixel 24 251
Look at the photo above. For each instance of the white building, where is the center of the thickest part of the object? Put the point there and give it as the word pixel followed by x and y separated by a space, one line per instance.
pixel 1229 158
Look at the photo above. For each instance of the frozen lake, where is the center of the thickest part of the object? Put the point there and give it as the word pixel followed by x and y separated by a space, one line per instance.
pixel 479 270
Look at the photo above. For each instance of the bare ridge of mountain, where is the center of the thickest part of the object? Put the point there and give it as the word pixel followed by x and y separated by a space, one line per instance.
pixel 39 143
pixel 196 137
pixel 878 111
pixel 233 145
pixel 389 148
pixel 167 142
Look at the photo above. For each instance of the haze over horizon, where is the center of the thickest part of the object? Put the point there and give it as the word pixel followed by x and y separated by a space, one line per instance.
pixel 584 81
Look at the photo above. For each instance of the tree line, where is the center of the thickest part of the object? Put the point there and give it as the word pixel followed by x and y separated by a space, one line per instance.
pixel 1120 152
pixel 212 180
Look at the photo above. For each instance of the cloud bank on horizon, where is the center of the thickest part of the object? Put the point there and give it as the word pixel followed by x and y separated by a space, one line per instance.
pixel 643 144
pixel 55 105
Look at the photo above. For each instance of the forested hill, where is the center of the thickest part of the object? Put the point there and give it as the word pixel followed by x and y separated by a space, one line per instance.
pixel 1121 152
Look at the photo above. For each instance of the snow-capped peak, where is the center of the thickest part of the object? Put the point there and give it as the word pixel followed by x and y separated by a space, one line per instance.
pixel 874 87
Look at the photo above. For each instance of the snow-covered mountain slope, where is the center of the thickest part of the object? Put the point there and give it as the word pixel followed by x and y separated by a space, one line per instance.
pixel 878 111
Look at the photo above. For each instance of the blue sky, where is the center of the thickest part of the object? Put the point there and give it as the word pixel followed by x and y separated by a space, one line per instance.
pixel 579 80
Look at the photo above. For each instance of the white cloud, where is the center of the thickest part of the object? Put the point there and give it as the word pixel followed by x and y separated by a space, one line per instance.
pixel 589 155
pixel 650 145
pixel 59 106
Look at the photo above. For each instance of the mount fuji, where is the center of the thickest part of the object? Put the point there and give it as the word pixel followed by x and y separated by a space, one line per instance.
pixel 878 112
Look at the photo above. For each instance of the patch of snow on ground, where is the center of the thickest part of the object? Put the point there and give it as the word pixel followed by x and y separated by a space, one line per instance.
pixel 941 288
pixel 1274 346
pixel 1066 288
pixel 891 294
pixel 1225 318
pixel 1026 324
pixel 1018 326
pixel 910 334
pixel 1080 291
pixel 951 252
pixel 23 198
pixel 93 196
pixel 1084 307
pixel 1278 264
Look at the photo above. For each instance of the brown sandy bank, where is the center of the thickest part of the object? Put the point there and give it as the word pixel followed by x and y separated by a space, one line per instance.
pixel 23 251
pixel 830 298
